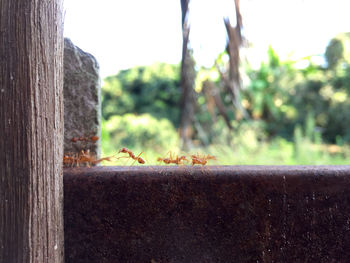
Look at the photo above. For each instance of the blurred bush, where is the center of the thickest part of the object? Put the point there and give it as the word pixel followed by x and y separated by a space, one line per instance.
pixel 285 96
pixel 138 132
pixel 153 89
pixel 267 97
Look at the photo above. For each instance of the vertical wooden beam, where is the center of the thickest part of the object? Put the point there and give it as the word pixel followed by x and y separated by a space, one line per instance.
pixel 31 131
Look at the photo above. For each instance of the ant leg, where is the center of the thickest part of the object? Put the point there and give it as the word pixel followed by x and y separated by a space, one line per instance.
pixel 136 158
pixel 161 160
pixel 109 159
pixel 124 157
pixel 169 152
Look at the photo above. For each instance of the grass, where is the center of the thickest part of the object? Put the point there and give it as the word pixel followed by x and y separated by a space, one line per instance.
pixel 276 152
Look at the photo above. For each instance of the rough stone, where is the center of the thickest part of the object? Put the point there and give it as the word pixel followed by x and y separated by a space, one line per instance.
pixel 82 100
pixel 207 214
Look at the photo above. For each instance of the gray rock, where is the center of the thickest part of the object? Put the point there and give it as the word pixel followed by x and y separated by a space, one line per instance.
pixel 82 100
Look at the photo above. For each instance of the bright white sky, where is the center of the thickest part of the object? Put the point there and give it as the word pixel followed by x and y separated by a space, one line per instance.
pixel 123 34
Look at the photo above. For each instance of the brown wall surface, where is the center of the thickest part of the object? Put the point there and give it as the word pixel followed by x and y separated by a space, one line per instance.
pixel 207 214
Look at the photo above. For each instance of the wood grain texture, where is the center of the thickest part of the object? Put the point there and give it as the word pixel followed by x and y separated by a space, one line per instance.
pixel 31 131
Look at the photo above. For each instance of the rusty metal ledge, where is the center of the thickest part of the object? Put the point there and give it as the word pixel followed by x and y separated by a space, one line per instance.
pixel 207 214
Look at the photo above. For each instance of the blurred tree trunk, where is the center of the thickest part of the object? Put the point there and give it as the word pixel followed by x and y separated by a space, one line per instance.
pixel 187 82
pixel 31 129
pixel 213 98
pixel 231 78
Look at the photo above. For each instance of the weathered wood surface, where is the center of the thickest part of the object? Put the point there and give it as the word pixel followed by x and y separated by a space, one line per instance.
pixel 31 131
pixel 207 214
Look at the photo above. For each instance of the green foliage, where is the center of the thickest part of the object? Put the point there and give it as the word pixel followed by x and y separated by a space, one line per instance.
pixel 268 93
pixel 326 94
pixel 292 111
pixel 309 126
pixel 139 132
pixel 314 97
pixel 153 89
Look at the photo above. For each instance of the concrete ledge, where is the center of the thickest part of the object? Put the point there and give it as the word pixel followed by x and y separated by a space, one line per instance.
pixel 207 214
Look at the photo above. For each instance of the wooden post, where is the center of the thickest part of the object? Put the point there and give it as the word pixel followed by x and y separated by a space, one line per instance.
pixel 31 131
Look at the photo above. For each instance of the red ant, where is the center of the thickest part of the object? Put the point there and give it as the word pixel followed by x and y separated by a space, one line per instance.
pixel 93 138
pixel 165 160
pixel 178 160
pixel 132 155
pixel 210 157
pixel 83 157
pixel 69 160
pixel 196 159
